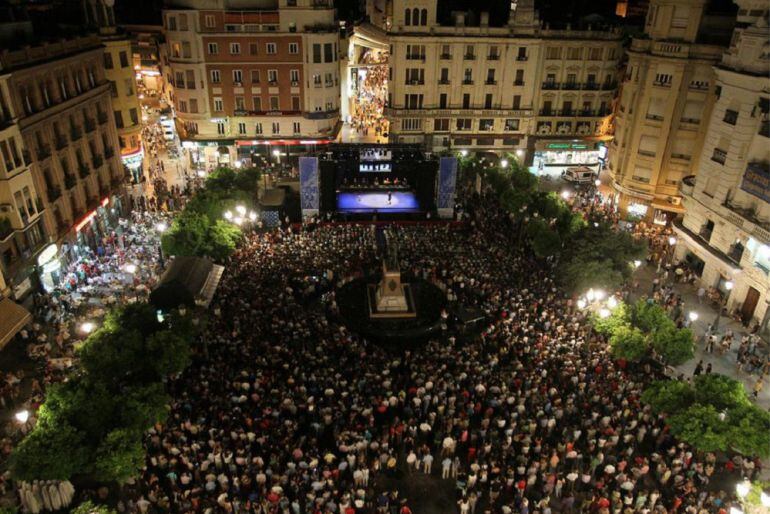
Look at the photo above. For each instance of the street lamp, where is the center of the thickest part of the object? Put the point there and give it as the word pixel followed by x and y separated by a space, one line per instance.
pixel 87 327
pixel 612 302
pixel 161 227
pixel 519 153
pixel 228 215
pixel 565 195
pixel 743 488
pixel 597 182
pixel 637 263
pixel 604 313
pixel 729 286
pixel 464 153
pixel 504 163
pixel 241 209
pixel 693 316
pixel 22 416
pixel 130 268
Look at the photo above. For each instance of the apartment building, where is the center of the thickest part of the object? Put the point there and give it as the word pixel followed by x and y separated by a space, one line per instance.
pixel 252 76
pixel 60 173
pixel 725 233
pixel 463 82
pixel 666 99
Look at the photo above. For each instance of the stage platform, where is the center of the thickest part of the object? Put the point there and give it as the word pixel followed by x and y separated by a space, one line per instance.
pixel 371 201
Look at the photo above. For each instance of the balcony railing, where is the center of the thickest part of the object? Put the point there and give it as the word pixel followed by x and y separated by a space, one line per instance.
pixel 61 142
pixel 54 192
pixel 445 56
pixel 609 85
pixel 518 82
pixel 468 82
pixel 69 181
pixel 493 57
pixel 97 161
pixel 570 86
pixel 469 57
pixel 551 85
pixel 443 82
pixel 83 170
pixel 102 117
pixel 705 233
pixel 489 82
pixel 521 57
pixel 719 156
pixel 75 133
pixel 109 152
pixel 43 152
pixel 89 124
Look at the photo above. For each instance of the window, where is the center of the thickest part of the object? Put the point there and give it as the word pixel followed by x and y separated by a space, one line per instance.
pixel 411 124
pixel 130 86
pixel 731 116
pixel 171 23
pixel 186 50
pixel 215 78
pixel 193 105
pixel 662 79
pixel 276 127
pixel 463 123
pixel 190 77
pixel 293 48
pixel 209 21
pixel 242 128
pixel 295 105
pixel 494 53
pixel 182 106
pixel 134 116
pixel 272 76
pixel 182 22
pixel 413 101
pixel 240 104
pixel 179 81
pixel 511 125
pixel 237 76
pixel 221 128
pixel 257 100
pixel 294 77
pixel 441 125
pixel 576 53
pixel 317 80
pixel 424 17
pixel 519 81
pixel 118 119
pixel 213 49
pixel 123 59
pixel 442 101
pixel 719 155
pixel 296 127
pixel 258 128
pixel 316 52
pixel 235 48
pixel 272 48
pixel 466 101
pixel 328 52
pixel 491 77
pixel 445 53
pixel 255 76
pixel 218 105
pixel 553 52
pixel 407 17
pixel 444 76
pixel 488 101
pixel 253 48
pixel 274 104
pixel 486 124
pixel 516 102
pixel 469 52
pixel 594 54
pixel 468 76
pixel 522 55
pixel 108 60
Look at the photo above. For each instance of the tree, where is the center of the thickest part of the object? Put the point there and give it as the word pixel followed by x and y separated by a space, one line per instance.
pixel 187 235
pixel 675 346
pixel 749 431
pixel 168 351
pixel 89 507
pixel 720 391
pixel 701 426
pixel 668 396
pixel 545 241
pixel 628 343
pixel 649 317
pixel 119 456
pixel 50 453
pixel 222 238
pixel 580 273
pixel 618 318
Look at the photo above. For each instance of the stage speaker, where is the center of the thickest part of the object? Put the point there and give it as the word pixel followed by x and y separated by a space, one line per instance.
pixel 328 185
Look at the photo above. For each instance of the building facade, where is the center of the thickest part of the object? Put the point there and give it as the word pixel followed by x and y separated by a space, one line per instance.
pixel 725 233
pixel 665 102
pixel 61 175
pixel 256 76
pixel 521 86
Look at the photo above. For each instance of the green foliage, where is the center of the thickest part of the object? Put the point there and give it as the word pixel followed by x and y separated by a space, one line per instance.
pixel 675 346
pixel 714 414
pixel 92 424
pixel 628 343
pixel 668 396
pixel 89 507
pixel 649 317
pixel 119 456
pixel 581 273
pixel 222 238
pixel 720 391
pixel 545 240
pixel 619 317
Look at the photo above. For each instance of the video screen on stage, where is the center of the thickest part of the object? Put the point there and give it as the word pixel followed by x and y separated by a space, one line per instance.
pixel 381 167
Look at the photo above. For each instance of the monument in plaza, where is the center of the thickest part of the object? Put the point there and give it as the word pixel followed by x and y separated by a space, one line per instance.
pixel 391 298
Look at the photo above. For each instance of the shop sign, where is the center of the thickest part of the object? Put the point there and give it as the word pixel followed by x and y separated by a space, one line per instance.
pixel 568 146
pixel 756 180
pixel 88 217
pixel 275 142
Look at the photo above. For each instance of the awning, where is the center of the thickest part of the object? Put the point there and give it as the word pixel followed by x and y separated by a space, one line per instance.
pixel 13 317
pixel 273 198
pixel 189 281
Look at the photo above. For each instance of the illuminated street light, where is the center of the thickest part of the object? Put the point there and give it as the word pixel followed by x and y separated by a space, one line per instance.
pixel 672 240
pixel 87 327
pixel 599 294
pixel 581 304
pixel 504 163
pixel 130 268
pixel 604 313
pixel 729 285
pixel 238 164
pixel 241 209
pixel 464 153
pixel 612 302
pixel 693 316
pixel 519 153
pixel 743 488
pixel 277 153
pixel 22 416
pixel 228 215
pixel 565 195
pixel 161 227
pixel 637 263
pixel 252 215
pixel 590 295
pixel 597 182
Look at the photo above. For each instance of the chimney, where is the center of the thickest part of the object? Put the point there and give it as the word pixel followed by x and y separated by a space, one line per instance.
pixel 485 19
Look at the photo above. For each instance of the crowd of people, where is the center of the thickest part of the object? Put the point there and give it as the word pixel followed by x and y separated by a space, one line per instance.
pixel 293 413
pixel 368 110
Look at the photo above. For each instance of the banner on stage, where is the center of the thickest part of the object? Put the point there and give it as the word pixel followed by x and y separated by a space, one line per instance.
pixel 447 178
pixel 308 186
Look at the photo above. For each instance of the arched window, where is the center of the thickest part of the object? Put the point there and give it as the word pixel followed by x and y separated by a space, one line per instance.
pixel 408 17
pixel 424 18
pixel 415 16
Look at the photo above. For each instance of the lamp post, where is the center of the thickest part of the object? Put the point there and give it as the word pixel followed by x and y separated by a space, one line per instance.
pixel 692 316
pixel 86 327
pixel 161 228
pixel 729 286
pixel 671 244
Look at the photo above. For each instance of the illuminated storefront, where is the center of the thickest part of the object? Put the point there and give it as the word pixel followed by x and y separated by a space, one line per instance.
pixel 49 265
pixel 133 162
pixel 549 153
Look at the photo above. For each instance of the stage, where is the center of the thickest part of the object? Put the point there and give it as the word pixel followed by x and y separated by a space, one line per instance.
pixel 371 201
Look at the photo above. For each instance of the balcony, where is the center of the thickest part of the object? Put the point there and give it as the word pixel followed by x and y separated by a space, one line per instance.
pixel 83 170
pixel 736 253
pixel 687 185
pixel 607 86
pixel 109 152
pixel 443 82
pixel 705 233
pixel 521 58
pixel 415 57
pixel 97 161
pixel 547 112
pixel 89 124
pixel 551 85
pixel 490 82
pixel 75 133
pixel 493 57
pixel 445 56
pixel 591 86
pixel 719 156
pixel 468 82
pixel 469 57
pixel 69 181
pixel 570 86
pixel 764 128
pixel 60 142
pixel 102 117
pixel 54 192
pixel 43 152
pixel 518 82
pixel 414 83
pixel 731 117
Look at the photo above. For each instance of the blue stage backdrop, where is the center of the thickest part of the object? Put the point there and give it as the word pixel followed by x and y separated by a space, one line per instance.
pixel 308 186
pixel 447 177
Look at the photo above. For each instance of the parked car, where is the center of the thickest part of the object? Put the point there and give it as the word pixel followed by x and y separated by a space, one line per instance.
pixel 579 175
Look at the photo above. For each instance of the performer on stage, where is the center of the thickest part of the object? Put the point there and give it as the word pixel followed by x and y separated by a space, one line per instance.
pixel 390 194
